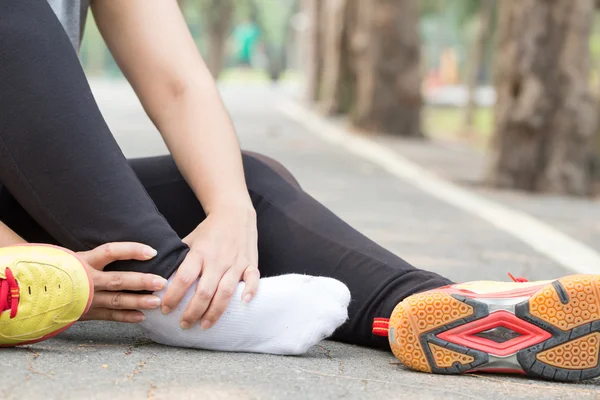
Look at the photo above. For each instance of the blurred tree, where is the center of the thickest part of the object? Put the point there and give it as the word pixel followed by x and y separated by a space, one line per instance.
pixel 475 60
pixel 218 16
pixel 337 79
pixel 314 48
pixel 365 61
pixel 386 60
pixel 274 21
pixel 545 115
pixel 431 7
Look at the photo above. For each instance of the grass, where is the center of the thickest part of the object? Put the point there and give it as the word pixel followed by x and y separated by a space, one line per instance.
pixel 447 123
pixel 438 122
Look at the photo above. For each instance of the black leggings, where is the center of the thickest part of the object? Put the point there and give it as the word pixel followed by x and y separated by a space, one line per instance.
pixel 65 181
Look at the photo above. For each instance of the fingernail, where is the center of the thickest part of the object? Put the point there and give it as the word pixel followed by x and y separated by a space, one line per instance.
pixel 247 298
pixel 184 325
pixel 141 318
pixel 205 324
pixel 149 252
pixel 165 310
pixel 159 283
pixel 153 302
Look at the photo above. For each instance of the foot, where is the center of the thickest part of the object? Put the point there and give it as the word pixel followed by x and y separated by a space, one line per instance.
pixel 289 315
pixel 43 291
pixel 548 329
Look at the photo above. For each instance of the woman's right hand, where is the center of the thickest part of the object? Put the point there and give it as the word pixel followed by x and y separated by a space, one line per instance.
pixel 111 302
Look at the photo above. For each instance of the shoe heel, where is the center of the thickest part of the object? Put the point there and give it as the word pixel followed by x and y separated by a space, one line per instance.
pixel 417 320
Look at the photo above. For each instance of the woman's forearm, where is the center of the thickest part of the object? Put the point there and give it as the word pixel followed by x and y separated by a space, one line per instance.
pixel 157 54
pixel 202 140
pixel 8 236
pixel 178 93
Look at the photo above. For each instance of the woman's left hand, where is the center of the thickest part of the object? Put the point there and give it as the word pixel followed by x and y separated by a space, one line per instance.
pixel 223 252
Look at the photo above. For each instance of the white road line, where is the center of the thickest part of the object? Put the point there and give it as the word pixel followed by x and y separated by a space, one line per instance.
pixel 543 238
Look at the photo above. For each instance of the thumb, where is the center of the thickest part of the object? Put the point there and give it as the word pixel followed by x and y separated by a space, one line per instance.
pixel 101 256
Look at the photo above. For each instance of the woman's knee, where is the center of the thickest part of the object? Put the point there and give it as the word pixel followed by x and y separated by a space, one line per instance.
pixel 260 169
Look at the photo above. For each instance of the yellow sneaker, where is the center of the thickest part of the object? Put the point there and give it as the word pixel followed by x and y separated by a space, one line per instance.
pixel 43 291
pixel 547 329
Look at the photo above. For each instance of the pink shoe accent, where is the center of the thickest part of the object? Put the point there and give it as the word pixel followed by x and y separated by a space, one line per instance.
pixel 464 335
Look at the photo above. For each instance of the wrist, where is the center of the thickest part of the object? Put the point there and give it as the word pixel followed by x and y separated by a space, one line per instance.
pixel 239 207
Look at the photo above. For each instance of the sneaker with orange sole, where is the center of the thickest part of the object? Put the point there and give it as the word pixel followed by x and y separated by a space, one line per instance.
pixel 546 329
pixel 43 291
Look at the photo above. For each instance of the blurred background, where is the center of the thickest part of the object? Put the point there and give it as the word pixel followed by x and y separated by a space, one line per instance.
pixel 516 80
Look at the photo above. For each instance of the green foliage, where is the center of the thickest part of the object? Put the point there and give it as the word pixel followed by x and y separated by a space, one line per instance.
pixel 274 20
pixel 273 17
pixel 466 10
pixel 460 10
pixel 450 24
pixel 243 11
pixel 431 7
pixel 448 123
pixel 213 9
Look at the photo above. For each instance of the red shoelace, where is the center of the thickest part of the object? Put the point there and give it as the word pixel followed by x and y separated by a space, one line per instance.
pixel 9 294
pixel 517 278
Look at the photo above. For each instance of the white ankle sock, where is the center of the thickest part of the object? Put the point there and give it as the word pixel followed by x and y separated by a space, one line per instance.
pixel 288 315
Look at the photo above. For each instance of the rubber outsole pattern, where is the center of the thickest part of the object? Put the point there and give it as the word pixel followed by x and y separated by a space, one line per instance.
pixel 569 309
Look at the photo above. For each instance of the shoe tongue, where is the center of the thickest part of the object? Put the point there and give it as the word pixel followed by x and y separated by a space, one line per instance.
pixel 4 295
pixel 483 287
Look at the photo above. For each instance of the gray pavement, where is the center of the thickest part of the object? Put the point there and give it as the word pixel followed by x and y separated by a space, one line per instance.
pixel 105 360
pixel 465 166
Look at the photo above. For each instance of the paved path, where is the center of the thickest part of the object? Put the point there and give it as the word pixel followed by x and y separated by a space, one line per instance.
pixel 465 166
pixel 104 360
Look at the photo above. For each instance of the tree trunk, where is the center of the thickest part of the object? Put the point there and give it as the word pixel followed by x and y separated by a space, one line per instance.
pixel 314 41
pixel 218 21
pixel 595 164
pixel 483 29
pixel 386 59
pixel 545 114
pixel 336 85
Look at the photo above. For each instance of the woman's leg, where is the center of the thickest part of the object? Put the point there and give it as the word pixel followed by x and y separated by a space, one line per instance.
pixel 298 235
pixel 60 162
pixel 289 315
pixel 57 156
pixel 62 165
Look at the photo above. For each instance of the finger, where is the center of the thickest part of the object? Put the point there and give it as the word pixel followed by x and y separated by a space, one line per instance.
pixel 220 301
pixel 252 278
pixel 186 275
pixel 103 255
pixel 125 301
pixel 253 248
pixel 107 314
pixel 251 274
pixel 123 281
pixel 207 286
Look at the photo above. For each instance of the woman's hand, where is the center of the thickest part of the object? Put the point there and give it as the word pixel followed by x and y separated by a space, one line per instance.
pixel 223 252
pixel 110 302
